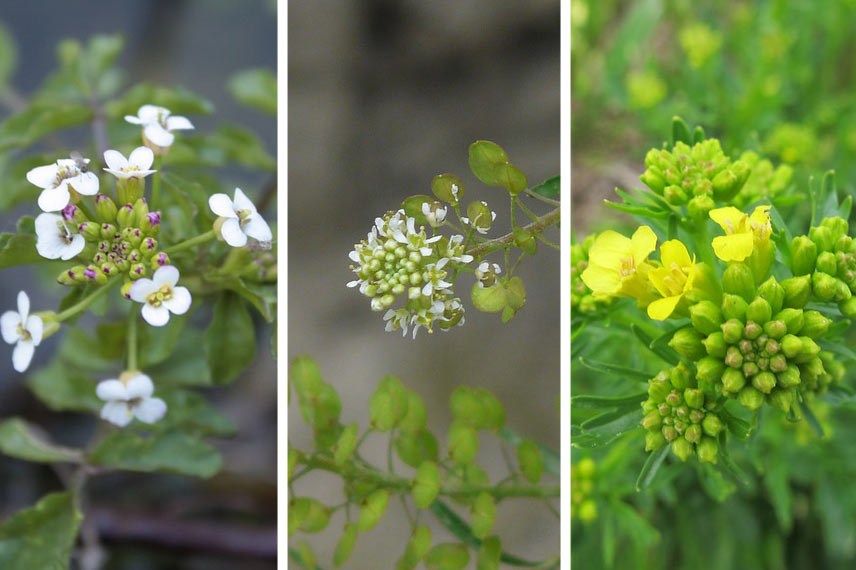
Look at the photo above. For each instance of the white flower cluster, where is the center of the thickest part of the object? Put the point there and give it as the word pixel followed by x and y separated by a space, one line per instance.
pixel 396 259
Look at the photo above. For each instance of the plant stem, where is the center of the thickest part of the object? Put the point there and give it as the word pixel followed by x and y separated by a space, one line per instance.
pixel 156 179
pixel 186 244
pixel 538 225
pixel 84 303
pixel 542 198
pixel 132 339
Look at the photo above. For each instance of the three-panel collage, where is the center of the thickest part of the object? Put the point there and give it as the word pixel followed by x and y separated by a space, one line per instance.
pixel 564 283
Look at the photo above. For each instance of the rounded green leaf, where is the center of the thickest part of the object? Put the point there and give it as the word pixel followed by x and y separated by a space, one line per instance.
pixel 467 406
pixel 462 441
pixel 484 159
pixel 417 546
pixel 346 444
pixel 483 512
pixel 381 410
pixel 494 411
pixel 426 484
pixel 414 448
pixel 447 556
pixel 530 460
pixel 413 207
pixel 489 553
pixel 372 509
pixel 489 299
pixel 414 419
pixel 345 544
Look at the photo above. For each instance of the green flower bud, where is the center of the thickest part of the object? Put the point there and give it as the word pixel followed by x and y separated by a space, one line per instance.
pixel 700 206
pixel 789 377
pixel 679 376
pixel 530 460
pixel 687 343
pixel 815 324
pixel 842 291
pixel 126 216
pixel 824 286
pixel 675 195
pixel 848 308
pixel 707 450
pixel 737 279
pixel 823 237
pixel 782 398
pixel 652 420
pixel 712 425
pixel 91 231
pixel 759 310
pixel 426 485
pixel 682 448
pixel 714 344
pixel 809 350
pixel 797 291
pixel 778 363
pixel 654 440
pixel 659 389
pixel 706 317
pixel 141 209
pixel 750 369
pixel 826 263
pixel 709 369
pixel 483 514
pixel 733 307
pixel 694 397
pixel 752 330
pixel 462 441
pixel 732 331
pixel 732 380
pixel 372 509
pixel 693 433
pixel 109 268
pixel 773 293
pixel 108 231
pixel 733 357
pixel 725 186
pixel 669 433
pixel 105 209
pixel 803 255
pixel 837 226
pixel 793 320
pixel 674 398
pixel 654 180
pixel 764 382
pixel 791 345
pixel 751 397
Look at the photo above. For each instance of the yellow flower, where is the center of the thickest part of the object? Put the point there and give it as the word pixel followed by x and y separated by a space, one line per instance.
pixel 742 232
pixel 674 280
pixel 618 265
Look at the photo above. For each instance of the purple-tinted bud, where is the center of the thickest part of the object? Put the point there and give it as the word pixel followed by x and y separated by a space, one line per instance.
pixel 125 216
pixel 160 260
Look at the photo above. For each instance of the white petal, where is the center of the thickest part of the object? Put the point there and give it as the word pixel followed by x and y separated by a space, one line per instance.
pixel 111 390
pixel 232 234
pixel 51 246
pixel 22 355
pixel 116 413
pixel 141 289
pixel 155 316
pixel 46 224
pixel 177 123
pixel 241 201
pixel 23 305
pixel 85 183
pixel 352 283
pixel 151 113
pixel 43 176
pixel 158 135
pixel 36 327
pixel 76 246
pixel 166 275
pixel 426 290
pixel 150 410
pixel 54 199
pixel 355 256
pixel 257 228
pixel 180 301
pixel 140 386
pixel 221 205
pixel 142 157
pixel 133 120
pixel 9 323
pixel 115 160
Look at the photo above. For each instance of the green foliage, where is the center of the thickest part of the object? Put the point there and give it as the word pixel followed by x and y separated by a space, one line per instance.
pixel 41 536
pixel 19 439
pixel 256 88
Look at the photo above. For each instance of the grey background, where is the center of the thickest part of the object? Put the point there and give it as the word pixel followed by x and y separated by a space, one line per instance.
pixel 382 96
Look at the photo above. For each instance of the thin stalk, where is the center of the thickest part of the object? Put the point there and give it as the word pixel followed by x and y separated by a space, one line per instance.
pixel 537 226
pixel 84 303
pixel 187 244
pixel 132 339
pixel 156 182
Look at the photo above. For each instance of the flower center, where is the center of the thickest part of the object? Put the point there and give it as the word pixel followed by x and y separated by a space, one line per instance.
pixel 244 216
pixel 627 267
pixel 157 298
pixel 23 334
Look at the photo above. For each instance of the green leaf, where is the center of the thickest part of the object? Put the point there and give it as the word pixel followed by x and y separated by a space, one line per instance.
pixel 605 433
pixel 652 465
pixel 8 55
pixel 599 402
pixel 640 531
pixel 171 451
pixel 64 388
pixel 192 413
pixel 228 144
pixel 739 428
pixel 680 132
pixel 19 439
pixel 715 485
pixel 27 127
pixel 608 368
pixel 549 188
pixel 551 458
pixel 178 100
pixel 256 88
pixel 18 249
pixel 42 536
pixel 230 340
pixel 779 490
pixel 186 366
pixel 155 344
pixel 811 419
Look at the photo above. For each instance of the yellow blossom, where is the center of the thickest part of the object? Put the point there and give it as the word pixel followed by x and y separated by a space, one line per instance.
pixel 618 265
pixel 743 233
pixel 674 279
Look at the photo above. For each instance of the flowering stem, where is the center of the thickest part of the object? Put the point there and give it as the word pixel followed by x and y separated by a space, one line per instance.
pixel 523 207
pixel 132 339
pixel 84 303
pixel 513 214
pixel 156 182
pixel 186 244
pixel 537 226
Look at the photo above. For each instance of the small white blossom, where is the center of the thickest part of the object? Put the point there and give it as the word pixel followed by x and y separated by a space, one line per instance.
pixel 56 180
pixel 54 238
pixel 487 272
pixel 241 219
pixel 477 224
pixel 160 296
pixel 137 165
pixel 157 122
pixel 434 213
pixel 128 398
pixel 23 330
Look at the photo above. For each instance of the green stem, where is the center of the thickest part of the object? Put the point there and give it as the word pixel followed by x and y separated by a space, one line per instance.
pixel 186 244
pixel 84 303
pixel 156 180
pixel 533 216
pixel 542 198
pixel 513 214
pixel 132 339
pixel 537 226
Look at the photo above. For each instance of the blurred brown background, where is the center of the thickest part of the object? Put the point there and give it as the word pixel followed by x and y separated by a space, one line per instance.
pixel 382 96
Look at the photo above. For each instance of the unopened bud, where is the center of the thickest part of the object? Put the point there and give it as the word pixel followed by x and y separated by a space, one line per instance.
pixel 105 209
pixel 733 357
pixel 773 292
pixel 693 433
pixel 725 186
pixel 125 217
pixel 826 263
pixel 712 425
pixel 732 331
pixel 137 270
pixel 714 344
pixel 706 317
pixel 654 440
pixel 733 380
pixel 699 207
pixel 809 350
pixel 823 237
pixel 815 324
pixel 652 420
pixel 793 320
pixel 73 214
pixel 707 450
pixel 759 310
pixel 848 308
pixel 751 397
pixel 687 343
pixel 737 279
pixel 108 231
pixel 91 231
pixel 150 223
pixel 679 376
pixel 159 260
pixel 682 448
pixel 126 289
pixel 824 286
pixel 782 399
pixel 752 330
pixel 675 195
pixel 733 307
pixel 803 255
pixel 764 382
pixel 797 291
pixel 694 397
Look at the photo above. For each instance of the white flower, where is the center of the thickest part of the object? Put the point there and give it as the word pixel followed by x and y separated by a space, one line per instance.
pixel 137 164
pixel 484 272
pixel 23 330
pixel 55 239
pixel 241 219
pixel 130 397
pixel 157 124
pixel 56 179
pixel 434 213
pixel 160 296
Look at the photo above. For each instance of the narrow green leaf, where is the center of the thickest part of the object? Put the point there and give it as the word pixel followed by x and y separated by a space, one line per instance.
pixel 551 457
pixel 652 465
pixel 598 402
pixel 667 354
pixel 19 439
pixel 640 531
pixel 811 419
pixel 549 188
pixel 715 485
pixel 605 433
pixel 680 132
pixel 609 368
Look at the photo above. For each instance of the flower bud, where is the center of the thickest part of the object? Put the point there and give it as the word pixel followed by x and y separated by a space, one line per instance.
pixel 732 331
pixel 751 397
pixel 654 440
pixel 725 186
pixel 653 178
pixel 759 310
pixel 782 398
pixel 773 293
pixel 91 231
pixel 778 363
pixel 126 217
pixel 141 208
pixel 838 227
pixel 108 231
pixel 712 425
pixel 679 376
pixel 733 307
pixel 797 291
pixel 73 276
pixel 826 263
pixel 687 343
pixel 699 207
pixel 707 450
pixel 93 273
pixel 125 291
pixel 764 382
pixel 848 308
pixel 792 318
pixel 714 344
pixel 843 244
pixel 109 268
pixel 73 214
pixel 733 357
pixel 790 377
pixel 129 190
pixel 803 255
pixel 675 195
pixel 824 286
pixel 737 279
pixel 682 448
pixel 834 368
pixel 733 380
pixel 670 433
pixel 750 368
pixel 150 223
pixel 652 420
pixel 842 291
pixel 791 345
pixel 137 270
pixel 709 369
pixel 815 324
pixel 808 352
pixel 706 317
pixel 105 209
pixel 694 397
pixel 751 331
pixel 480 215
pixel 823 237
pixel 693 433
pixel 159 260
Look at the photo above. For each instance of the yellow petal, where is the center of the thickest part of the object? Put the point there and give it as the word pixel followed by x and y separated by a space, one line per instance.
pixel 657 276
pixel 644 241
pixel 601 280
pixel 729 218
pixel 673 251
pixel 662 309
pixel 735 247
